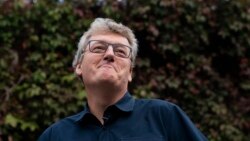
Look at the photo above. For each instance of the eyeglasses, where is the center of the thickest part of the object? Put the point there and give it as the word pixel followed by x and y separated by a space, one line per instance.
pixel 100 47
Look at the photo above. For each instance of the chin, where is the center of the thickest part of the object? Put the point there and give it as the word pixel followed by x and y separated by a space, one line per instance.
pixel 108 79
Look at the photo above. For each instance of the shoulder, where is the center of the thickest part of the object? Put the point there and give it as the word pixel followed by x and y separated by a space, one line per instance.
pixel 67 121
pixel 155 103
pixel 59 127
pixel 160 112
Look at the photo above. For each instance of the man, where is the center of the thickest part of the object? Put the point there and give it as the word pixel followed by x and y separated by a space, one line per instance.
pixel 104 62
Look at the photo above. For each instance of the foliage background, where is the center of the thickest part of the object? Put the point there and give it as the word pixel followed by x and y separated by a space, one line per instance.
pixel 194 53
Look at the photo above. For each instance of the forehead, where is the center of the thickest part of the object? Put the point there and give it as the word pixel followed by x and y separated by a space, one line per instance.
pixel 110 37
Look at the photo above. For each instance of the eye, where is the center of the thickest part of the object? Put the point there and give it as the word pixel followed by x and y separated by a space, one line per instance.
pixel 98 48
pixel 121 51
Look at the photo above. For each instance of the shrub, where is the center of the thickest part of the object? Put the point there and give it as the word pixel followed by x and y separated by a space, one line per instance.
pixel 194 53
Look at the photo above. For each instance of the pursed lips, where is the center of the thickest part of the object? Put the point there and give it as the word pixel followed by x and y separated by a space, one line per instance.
pixel 107 66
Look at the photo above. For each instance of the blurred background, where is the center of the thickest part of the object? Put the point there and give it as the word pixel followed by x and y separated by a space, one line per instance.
pixel 195 53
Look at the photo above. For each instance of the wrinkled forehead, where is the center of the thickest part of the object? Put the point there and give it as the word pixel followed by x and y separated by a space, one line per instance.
pixel 110 37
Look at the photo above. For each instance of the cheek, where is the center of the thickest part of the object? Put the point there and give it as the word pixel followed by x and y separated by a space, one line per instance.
pixel 84 66
pixel 89 64
pixel 125 68
pixel 86 61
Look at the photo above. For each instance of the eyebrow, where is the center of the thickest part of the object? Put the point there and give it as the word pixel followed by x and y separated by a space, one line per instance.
pixel 111 42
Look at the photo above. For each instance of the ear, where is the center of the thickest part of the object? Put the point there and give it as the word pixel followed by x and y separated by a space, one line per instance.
pixel 130 74
pixel 78 69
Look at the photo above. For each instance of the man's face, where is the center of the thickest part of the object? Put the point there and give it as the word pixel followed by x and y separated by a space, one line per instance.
pixel 105 68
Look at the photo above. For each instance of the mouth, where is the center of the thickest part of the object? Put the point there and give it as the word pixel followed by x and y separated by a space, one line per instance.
pixel 106 66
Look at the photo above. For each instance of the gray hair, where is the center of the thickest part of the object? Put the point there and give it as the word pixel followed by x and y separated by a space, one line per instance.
pixel 105 25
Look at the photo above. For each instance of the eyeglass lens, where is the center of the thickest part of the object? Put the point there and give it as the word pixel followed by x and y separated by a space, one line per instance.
pixel 119 50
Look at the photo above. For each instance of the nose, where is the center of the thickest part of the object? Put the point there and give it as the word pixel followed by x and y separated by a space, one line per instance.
pixel 110 50
pixel 109 54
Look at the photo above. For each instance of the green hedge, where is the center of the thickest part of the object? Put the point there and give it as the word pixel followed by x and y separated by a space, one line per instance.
pixel 194 53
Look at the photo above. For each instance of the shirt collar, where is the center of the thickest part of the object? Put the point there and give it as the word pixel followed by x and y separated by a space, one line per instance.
pixel 126 104
pixel 83 113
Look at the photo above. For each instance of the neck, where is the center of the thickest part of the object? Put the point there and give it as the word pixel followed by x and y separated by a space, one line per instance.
pixel 100 98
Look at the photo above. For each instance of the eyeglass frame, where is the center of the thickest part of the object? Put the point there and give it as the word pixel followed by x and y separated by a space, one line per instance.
pixel 109 44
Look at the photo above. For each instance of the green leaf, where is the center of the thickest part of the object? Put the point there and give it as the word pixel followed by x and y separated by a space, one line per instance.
pixel 11 120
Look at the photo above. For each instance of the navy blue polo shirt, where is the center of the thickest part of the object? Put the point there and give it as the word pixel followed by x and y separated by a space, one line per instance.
pixel 128 120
